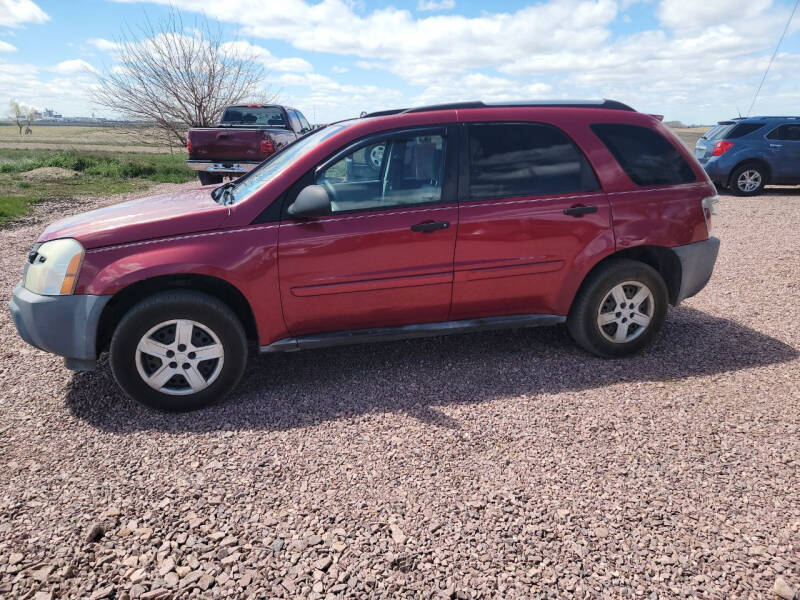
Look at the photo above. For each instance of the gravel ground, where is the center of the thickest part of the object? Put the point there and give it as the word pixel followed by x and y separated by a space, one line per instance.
pixel 496 465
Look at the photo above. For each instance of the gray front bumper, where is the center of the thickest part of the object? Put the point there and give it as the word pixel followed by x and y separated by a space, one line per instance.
pixel 63 325
pixel 697 264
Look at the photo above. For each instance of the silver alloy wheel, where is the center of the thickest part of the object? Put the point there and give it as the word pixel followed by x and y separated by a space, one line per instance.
pixel 179 357
pixel 749 181
pixel 626 312
pixel 376 156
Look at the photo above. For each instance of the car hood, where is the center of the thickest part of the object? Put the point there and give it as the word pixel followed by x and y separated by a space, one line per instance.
pixel 161 215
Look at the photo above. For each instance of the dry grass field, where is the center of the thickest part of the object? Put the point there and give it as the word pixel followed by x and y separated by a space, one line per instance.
pixel 689 135
pixel 58 137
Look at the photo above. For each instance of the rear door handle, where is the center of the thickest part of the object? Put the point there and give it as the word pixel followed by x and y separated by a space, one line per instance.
pixel 580 210
pixel 776 145
pixel 430 226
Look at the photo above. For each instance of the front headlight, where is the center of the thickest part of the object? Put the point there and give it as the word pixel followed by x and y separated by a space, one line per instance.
pixel 53 267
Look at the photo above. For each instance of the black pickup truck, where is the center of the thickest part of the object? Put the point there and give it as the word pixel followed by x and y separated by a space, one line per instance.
pixel 246 135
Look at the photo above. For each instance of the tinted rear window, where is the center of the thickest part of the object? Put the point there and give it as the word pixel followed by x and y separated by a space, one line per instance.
pixel 516 159
pixel 644 154
pixel 254 115
pixel 718 132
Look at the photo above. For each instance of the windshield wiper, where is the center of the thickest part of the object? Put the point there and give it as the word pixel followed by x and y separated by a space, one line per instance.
pixel 224 193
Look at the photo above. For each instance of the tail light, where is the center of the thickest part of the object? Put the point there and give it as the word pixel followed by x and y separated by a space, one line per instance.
pixel 266 146
pixel 709 205
pixel 722 147
pixel 189 146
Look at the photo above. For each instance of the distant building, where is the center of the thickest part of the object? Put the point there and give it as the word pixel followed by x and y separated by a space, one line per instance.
pixel 48 114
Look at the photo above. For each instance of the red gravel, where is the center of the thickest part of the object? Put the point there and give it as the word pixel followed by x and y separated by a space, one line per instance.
pixel 507 465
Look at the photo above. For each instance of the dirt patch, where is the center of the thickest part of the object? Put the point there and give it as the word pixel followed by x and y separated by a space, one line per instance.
pixel 49 174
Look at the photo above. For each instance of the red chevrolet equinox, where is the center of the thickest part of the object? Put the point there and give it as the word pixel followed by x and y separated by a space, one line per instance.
pixel 404 223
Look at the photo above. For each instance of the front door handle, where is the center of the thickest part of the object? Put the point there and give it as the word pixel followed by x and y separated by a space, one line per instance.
pixel 430 226
pixel 776 145
pixel 579 210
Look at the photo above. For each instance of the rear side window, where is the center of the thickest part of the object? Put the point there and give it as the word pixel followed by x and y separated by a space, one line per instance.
pixel 743 129
pixel 521 159
pixel 294 120
pixel 303 122
pixel 790 133
pixel 644 154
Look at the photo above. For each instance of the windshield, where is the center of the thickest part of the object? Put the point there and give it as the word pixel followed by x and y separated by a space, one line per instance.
pixel 253 115
pixel 279 162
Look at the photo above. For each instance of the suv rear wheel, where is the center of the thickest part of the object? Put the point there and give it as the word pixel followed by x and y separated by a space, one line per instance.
pixel 748 180
pixel 619 309
pixel 178 351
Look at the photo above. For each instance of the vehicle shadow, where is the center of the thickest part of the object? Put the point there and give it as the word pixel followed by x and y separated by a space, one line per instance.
pixel 767 191
pixel 285 391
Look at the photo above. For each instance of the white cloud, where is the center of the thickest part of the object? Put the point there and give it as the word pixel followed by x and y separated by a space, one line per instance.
pixel 693 15
pixel 74 66
pixel 14 13
pixel 103 44
pixel 339 69
pixel 32 86
pixel 244 49
pixel 436 5
pixel 6 47
pixel 700 57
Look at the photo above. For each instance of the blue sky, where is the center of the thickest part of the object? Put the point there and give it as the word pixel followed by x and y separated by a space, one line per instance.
pixel 693 60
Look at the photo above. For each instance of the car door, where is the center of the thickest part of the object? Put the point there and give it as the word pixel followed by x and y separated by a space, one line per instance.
pixel 531 218
pixel 784 146
pixel 384 256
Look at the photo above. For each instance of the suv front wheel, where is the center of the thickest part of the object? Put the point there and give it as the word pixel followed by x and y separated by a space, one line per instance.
pixel 619 309
pixel 748 180
pixel 178 350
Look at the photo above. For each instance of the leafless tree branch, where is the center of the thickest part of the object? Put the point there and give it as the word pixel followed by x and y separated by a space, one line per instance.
pixel 176 78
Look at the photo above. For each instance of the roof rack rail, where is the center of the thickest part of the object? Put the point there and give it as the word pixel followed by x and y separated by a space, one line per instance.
pixel 607 104
pixel 383 113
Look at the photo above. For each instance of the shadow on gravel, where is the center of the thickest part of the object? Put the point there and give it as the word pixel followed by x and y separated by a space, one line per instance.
pixel 285 391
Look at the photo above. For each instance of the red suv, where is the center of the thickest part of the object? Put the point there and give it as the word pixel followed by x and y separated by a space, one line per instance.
pixel 473 216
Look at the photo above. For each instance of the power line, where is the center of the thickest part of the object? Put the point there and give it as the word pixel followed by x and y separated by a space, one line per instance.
pixel 774 54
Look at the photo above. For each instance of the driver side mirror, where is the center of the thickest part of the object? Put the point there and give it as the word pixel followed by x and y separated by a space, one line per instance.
pixel 312 201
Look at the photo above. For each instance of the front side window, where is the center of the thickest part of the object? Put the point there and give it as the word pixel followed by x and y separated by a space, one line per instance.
pixel 644 154
pixel 387 173
pixel 519 159
pixel 789 133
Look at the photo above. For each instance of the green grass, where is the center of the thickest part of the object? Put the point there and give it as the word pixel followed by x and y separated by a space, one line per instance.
pixel 12 207
pixel 99 174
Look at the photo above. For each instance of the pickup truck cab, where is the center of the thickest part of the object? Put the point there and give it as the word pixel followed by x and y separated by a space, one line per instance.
pixel 246 135
pixel 479 217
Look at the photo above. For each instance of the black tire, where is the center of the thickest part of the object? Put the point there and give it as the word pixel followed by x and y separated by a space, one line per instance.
pixel 739 174
pixel 209 178
pixel 210 314
pixel 593 297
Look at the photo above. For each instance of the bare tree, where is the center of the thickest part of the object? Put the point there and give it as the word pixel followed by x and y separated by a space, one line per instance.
pixel 30 115
pixel 17 112
pixel 176 79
